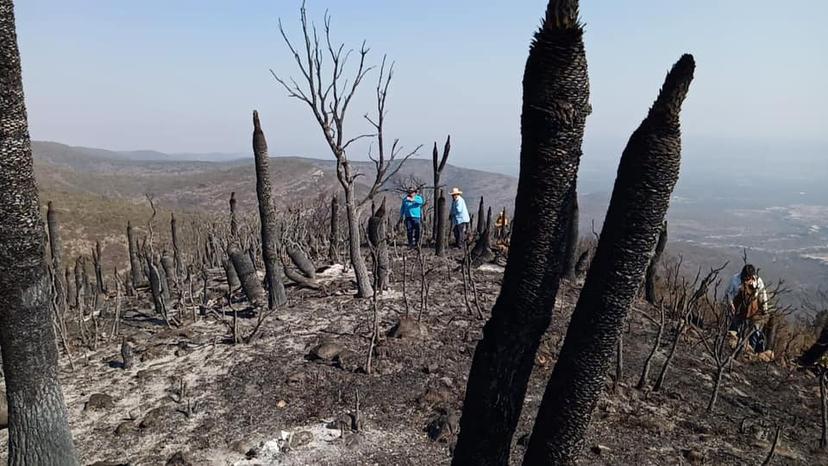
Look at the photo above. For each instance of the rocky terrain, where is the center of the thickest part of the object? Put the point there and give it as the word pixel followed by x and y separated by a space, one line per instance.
pixel 299 392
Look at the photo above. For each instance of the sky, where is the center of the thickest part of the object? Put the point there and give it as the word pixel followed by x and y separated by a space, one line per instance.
pixel 185 75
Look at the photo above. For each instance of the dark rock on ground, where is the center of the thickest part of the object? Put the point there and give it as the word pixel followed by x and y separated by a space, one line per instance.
pixel 99 401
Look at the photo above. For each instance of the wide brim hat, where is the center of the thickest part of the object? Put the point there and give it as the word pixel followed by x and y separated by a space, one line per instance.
pixel 455 191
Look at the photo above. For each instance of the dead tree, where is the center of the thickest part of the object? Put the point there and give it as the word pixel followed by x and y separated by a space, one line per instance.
pixel 301 261
pixel 438 164
pixel 267 217
pixel 234 224
pixel 647 174
pixel 645 371
pixel 649 282
pixel 100 286
pixel 379 247
pixel 179 263
pixel 247 276
pixel 823 405
pixel 441 221
pixel 56 253
pixel 333 240
pixel 38 428
pixel 481 217
pixel 572 239
pixel 555 107
pixel 328 93
pixel 134 260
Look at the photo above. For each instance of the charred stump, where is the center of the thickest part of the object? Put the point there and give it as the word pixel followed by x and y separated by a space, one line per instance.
pixel 248 278
pixel 135 266
pixel 379 247
pixel 301 261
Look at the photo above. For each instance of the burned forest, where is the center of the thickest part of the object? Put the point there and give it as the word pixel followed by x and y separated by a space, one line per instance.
pixel 362 308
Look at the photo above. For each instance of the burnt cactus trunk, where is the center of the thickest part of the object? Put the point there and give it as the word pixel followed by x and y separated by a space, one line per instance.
pixel 232 277
pixel 813 354
pixel 179 264
pixel 555 107
pixel 247 276
pixel 56 252
pixel 441 235
pixel 267 216
pixel 481 217
pixel 571 253
pixel 134 261
pixel 647 173
pixel 38 429
pixel 301 261
pixel 100 285
pixel 234 223
pixel 649 278
pixel 438 164
pixel 376 236
pixel 333 241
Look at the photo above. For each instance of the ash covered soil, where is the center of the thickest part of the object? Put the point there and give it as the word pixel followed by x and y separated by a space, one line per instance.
pixel 299 393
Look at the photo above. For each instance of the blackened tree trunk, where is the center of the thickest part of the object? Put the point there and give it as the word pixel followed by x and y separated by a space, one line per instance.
pixel 134 261
pixel 79 282
pixel 333 242
pixel 647 173
pixel 571 254
pixel 301 261
pixel 649 280
pixel 56 253
pixel 813 354
pixel 247 276
pixel 441 235
pixel 438 164
pixel 555 107
pixel 364 288
pixel 232 277
pixel 271 242
pixel 179 264
pixel 481 217
pixel 38 429
pixel 96 263
pixel 234 224
pixel 376 236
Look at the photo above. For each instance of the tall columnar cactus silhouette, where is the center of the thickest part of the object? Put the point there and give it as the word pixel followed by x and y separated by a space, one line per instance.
pixel 572 237
pixel 441 224
pixel 56 252
pixel 650 276
pixel 267 216
pixel 333 241
pixel 38 428
pixel 555 107
pixel 134 261
pixel 376 236
pixel 234 223
pixel 438 164
pixel 647 173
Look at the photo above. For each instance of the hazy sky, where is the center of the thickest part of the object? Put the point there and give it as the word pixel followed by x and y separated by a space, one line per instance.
pixel 184 75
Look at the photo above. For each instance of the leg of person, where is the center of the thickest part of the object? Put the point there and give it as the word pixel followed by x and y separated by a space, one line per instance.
pixel 461 228
pixel 457 235
pixel 409 231
pixel 417 231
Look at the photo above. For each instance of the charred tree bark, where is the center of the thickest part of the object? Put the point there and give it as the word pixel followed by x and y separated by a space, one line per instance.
pixel 438 164
pixel 134 261
pixel 481 217
pixel 441 234
pixel 247 276
pixel 233 283
pixel 813 354
pixel 179 264
pixel 234 224
pixel 267 216
pixel 555 107
pixel 364 288
pixel 56 252
pixel 647 174
pixel 376 235
pixel 96 263
pixel 301 261
pixel 571 254
pixel 649 282
pixel 333 242
pixel 38 429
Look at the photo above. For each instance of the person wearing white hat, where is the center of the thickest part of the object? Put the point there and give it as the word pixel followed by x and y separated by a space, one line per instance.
pixel 459 217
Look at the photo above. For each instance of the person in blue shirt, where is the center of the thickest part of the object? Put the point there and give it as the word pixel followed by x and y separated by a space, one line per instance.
pixel 459 217
pixel 411 212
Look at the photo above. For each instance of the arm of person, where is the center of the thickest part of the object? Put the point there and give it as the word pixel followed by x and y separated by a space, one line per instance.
pixel 763 294
pixel 730 292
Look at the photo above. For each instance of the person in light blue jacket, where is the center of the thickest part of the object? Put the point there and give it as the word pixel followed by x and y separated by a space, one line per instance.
pixel 459 217
pixel 411 213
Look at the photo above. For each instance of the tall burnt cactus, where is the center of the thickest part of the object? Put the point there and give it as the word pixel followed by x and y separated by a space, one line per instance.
pixel 134 261
pixel 647 173
pixel 333 241
pixel 376 236
pixel 441 224
pixel 38 428
pixel 555 107
pixel 56 252
pixel 438 164
pixel 234 223
pixel 267 216
pixel 247 276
